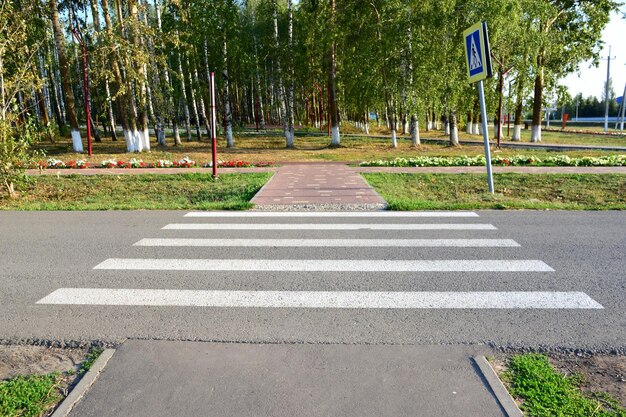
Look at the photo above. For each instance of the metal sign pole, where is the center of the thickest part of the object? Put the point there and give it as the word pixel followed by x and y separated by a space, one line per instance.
pixel 623 107
pixel 213 125
pixel 478 60
pixel 483 111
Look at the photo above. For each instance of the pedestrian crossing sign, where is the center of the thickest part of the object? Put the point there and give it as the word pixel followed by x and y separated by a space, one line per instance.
pixel 478 58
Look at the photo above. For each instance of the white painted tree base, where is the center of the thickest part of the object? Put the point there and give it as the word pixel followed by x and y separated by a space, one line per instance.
pixel 447 129
pixel 77 142
pixel 146 139
pixel 475 129
pixel 468 128
pixel 454 136
pixel 517 133
pixel 230 142
pixel 367 128
pixel 129 140
pixel 394 139
pixel 336 138
pixel 536 134
pixel 415 134
pixel 137 140
pixel 289 135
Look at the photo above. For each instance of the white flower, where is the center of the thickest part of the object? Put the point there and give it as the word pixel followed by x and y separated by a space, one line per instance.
pixel 108 162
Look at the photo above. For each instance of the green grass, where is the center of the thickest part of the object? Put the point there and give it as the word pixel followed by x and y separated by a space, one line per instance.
pixel 546 393
pixel 130 192
pixel 270 146
pixel 512 191
pixel 89 361
pixel 29 396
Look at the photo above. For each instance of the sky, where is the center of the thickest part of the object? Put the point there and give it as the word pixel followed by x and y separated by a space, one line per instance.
pixel 590 81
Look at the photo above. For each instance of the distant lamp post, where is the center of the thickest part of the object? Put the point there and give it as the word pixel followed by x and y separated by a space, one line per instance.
pixel 606 91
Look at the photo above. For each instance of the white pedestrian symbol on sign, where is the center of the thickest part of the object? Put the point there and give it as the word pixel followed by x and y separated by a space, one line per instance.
pixel 475 57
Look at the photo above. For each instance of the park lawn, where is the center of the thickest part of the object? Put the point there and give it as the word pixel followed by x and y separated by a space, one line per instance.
pixel 568 138
pixel 544 392
pixel 270 147
pixel 512 191
pixel 138 192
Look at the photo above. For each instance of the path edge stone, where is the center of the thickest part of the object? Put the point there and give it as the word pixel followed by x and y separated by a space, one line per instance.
pixel 498 389
pixel 262 188
pixel 84 384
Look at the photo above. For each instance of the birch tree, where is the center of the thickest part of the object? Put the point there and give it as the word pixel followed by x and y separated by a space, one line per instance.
pixel 59 41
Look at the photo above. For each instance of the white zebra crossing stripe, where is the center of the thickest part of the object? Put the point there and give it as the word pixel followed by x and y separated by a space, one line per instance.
pixel 329 226
pixel 301 265
pixel 366 214
pixel 346 243
pixel 321 299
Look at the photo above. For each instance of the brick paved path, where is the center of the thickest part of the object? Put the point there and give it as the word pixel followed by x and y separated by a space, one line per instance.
pixel 317 184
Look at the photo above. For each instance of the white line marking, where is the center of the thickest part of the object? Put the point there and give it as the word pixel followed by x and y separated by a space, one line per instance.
pixel 322 299
pixel 332 213
pixel 323 226
pixel 315 265
pixel 348 243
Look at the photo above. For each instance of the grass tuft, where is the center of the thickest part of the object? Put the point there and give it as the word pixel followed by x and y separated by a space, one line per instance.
pixel 29 396
pixel 90 359
pixel 546 393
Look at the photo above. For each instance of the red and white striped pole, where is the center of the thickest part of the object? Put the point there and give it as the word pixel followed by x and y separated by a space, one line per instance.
pixel 213 125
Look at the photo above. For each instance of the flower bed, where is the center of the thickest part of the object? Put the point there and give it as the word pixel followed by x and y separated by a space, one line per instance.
pixel 516 160
pixel 186 162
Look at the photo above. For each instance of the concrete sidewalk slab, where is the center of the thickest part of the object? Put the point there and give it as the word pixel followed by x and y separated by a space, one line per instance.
pixel 164 378
pixel 317 184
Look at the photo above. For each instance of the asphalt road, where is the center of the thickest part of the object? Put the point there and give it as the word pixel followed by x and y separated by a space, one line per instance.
pixel 48 251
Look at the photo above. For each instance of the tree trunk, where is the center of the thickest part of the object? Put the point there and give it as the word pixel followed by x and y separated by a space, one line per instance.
pixel 194 105
pixel 96 23
pixel 282 96
pixel 227 106
pixel 43 111
pixel 56 107
pixel 183 90
pixel 3 104
pixel 454 131
pixel 415 132
pixel 291 105
pixel 123 101
pixel 259 92
pixel 141 131
pixel 537 103
pixel 168 99
pixel 65 77
pixel 332 92
pixel 519 109
pixel 498 126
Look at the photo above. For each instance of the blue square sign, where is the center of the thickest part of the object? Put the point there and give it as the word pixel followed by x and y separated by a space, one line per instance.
pixel 477 52
pixel 474 56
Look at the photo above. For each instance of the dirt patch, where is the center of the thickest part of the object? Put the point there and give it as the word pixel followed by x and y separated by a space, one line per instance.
pixel 25 360
pixel 602 373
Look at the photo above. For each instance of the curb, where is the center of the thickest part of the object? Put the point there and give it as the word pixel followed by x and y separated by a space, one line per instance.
pixel 83 385
pixel 499 390
pixel 262 188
